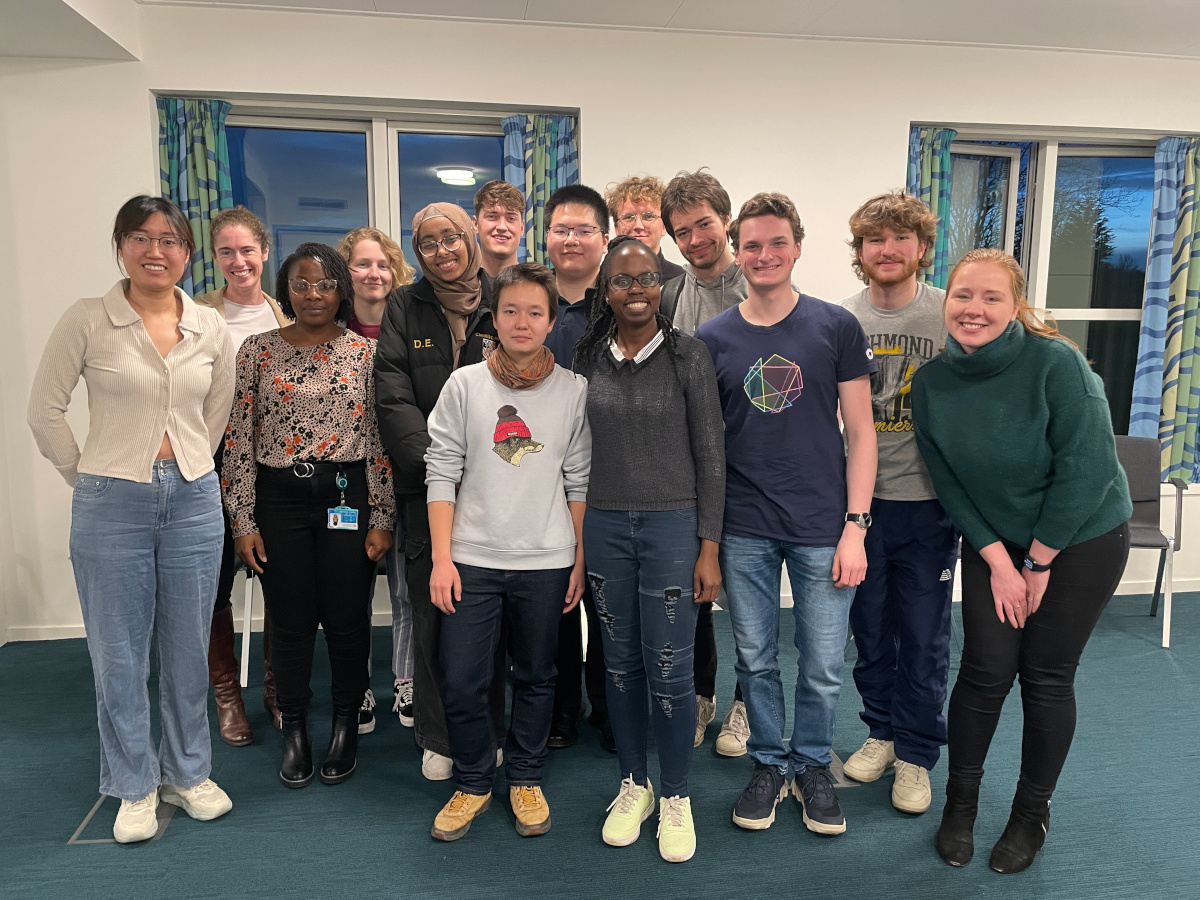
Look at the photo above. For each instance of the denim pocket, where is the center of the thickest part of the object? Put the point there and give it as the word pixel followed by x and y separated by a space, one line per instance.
pixel 92 485
pixel 688 514
pixel 209 483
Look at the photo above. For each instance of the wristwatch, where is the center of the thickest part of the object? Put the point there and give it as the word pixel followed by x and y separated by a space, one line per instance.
pixel 1035 566
pixel 862 520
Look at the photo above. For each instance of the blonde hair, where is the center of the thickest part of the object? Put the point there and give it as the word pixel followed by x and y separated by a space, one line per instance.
pixel 898 211
pixel 636 189
pixel 402 272
pixel 1016 275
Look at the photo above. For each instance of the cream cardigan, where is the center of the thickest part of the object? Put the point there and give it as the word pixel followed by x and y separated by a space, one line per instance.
pixel 134 394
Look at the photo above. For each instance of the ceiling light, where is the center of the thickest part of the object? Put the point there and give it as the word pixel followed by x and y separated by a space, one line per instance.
pixel 456 176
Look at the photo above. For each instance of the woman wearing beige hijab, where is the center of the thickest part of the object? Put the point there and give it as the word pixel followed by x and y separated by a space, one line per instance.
pixel 431 328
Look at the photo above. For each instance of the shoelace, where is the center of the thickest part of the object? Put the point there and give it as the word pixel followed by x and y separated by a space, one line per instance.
pixel 368 701
pixel 737 721
pixel 139 806
pixel 205 787
pixel 816 785
pixel 907 772
pixel 458 802
pixel 873 749
pixel 671 815
pixel 627 799
pixel 403 693
pixel 527 798
pixel 762 782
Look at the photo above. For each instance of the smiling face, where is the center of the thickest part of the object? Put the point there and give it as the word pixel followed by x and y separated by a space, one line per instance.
pixel 500 230
pixel 314 308
pixel 370 271
pixel 648 231
pixel 635 306
pixel 767 251
pixel 701 235
pixel 450 265
pixel 522 318
pixel 979 304
pixel 239 256
pixel 891 257
pixel 152 269
pixel 572 256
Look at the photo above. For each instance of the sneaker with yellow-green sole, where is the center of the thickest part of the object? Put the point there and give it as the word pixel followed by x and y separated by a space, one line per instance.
pixel 627 813
pixel 457 815
pixel 676 832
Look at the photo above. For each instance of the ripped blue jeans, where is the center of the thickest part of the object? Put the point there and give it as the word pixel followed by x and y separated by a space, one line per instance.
pixel 640 565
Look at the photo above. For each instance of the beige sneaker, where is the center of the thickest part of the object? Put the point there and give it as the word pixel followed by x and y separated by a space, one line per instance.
pixel 204 802
pixel 706 711
pixel 910 791
pixel 458 814
pixel 436 767
pixel 531 810
pixel 137 820
pixel 870 761
pixel 735 731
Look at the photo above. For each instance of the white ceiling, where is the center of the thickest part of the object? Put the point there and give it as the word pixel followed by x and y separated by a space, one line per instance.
pixel 1158 27
pixel 52 28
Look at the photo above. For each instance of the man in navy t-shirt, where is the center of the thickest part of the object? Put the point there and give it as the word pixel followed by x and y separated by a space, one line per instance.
pixel 786 363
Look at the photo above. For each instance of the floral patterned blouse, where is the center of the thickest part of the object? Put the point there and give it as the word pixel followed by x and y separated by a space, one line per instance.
pixel 315 404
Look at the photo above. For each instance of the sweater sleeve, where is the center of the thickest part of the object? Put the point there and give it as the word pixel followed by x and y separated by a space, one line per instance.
pixel 401 424
pixel 380 494
pixel 57 375
pixel 239 463
pixel 706 428
pixel 950 491
pixel 577 463
pixel 219 399
pixel 447 454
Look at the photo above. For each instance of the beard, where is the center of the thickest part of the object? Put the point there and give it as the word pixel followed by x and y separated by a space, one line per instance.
pixel 908 268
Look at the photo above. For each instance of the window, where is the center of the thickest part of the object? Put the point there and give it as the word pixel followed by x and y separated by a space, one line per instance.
pixel 983 198
pixel 420 156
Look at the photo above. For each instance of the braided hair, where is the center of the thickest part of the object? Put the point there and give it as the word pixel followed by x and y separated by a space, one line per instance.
pixel 334 266
pixel 602 323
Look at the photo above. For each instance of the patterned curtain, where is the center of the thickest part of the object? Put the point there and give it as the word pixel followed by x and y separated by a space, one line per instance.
pixel 1166 387
pixel 193 161
pixel 929 180
pixel 540 156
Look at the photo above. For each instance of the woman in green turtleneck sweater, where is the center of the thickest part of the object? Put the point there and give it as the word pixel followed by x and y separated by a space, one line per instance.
pixel 1015 430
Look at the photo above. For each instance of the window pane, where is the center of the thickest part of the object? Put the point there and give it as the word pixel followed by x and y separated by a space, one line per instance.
pixel 1111 349
pixel 421 155
pixel 306 185
pixel 979 188
pixel 1102 212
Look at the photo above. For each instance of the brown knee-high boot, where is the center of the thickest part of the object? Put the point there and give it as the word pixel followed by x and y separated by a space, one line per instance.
pixel 269 675
pixel 223 674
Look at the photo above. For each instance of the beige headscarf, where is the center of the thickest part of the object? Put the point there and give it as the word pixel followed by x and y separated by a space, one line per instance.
pixel 459 298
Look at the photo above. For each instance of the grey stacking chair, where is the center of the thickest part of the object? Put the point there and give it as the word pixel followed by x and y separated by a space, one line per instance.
pixel 1142 459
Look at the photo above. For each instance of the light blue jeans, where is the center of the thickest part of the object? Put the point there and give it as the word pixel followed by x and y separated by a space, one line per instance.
pixel 146 560
pixel 751 567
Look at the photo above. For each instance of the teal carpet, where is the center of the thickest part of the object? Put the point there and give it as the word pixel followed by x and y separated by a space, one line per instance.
pixel 1126 818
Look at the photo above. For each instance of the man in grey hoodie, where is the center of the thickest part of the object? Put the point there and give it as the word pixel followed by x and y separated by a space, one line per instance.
pixel 696 214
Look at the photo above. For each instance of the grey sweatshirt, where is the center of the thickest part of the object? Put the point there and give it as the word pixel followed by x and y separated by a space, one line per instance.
pixel 699 301
pixel 519 457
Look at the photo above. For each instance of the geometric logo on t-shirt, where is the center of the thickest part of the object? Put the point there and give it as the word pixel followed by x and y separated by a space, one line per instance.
pixel 773 386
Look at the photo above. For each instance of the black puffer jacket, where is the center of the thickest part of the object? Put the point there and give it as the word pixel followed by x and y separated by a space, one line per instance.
pixel 413 361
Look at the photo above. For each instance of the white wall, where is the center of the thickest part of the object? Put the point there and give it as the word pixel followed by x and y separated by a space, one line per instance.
pixel 825 122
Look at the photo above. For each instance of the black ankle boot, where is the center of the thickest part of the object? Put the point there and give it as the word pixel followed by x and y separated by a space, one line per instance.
pixel 955 838
pixel 297 768
pixel 1023 836
pixel 343 747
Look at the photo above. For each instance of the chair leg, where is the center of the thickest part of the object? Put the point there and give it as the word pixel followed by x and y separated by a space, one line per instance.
pixel 1167 592
pixel 1162 561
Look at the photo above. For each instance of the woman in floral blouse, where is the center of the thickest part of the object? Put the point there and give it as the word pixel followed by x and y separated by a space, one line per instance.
pixel 308 484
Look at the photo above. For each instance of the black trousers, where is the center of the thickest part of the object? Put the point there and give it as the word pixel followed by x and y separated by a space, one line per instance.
pixel 228 557
pixel 429 715
pixel 705 653
pixel 573 670
pixel 1045 654
pixel 315 576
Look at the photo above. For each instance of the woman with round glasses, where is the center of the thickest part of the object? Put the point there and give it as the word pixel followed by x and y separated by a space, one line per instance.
pixel 146 524
pixel 308 488
pixel 656 500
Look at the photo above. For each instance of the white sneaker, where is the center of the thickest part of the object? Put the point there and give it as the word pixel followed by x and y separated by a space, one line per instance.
pixel 366 713
pixel 735 731
pixel 910 790
pixel 436 767
pixel 137 820
pixel 870 761
pixel 706 711
pixel 203 802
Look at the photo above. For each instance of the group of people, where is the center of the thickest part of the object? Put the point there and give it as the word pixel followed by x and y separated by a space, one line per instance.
pixel 611 436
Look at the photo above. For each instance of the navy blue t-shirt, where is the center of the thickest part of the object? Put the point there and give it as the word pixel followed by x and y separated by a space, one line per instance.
pixel 784 457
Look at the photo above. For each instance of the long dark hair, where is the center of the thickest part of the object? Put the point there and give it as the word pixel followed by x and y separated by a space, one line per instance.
pixel 335 267
pixel 602 323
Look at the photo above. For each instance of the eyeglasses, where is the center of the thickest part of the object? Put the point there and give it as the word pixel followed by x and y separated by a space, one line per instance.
pixel 580 231
pixel 450 242
pixel 143 242
pixel 325 285
pixel 631 218
pixel 625 282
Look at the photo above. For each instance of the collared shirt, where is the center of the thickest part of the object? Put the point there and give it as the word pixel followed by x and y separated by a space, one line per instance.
pixel 135 395
pixel 569 325
pixel 642 355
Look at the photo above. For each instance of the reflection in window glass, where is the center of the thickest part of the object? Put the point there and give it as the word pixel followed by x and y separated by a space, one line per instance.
pixel 1111 349
pixel 979 187
pixel 306 185
pixel 1102 212
pixel 421 155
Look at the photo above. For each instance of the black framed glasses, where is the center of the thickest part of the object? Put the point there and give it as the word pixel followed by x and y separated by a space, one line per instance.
pixel 450 242
pixel 625 282
pixel 325 285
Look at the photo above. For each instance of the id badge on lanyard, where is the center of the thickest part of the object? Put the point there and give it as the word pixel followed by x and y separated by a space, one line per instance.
pixel 342 517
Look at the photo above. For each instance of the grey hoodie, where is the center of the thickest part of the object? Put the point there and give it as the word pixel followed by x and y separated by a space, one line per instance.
pixel 699 301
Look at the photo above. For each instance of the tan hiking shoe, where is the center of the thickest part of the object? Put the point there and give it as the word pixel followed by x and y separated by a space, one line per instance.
pixel 458 814
pixel 870 761
pixel 531 809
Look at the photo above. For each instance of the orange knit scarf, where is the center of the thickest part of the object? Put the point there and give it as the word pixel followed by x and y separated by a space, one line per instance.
pixel 505 371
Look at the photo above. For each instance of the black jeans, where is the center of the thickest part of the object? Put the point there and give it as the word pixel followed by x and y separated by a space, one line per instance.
pixel 1045 654
pixel 706 651
pixel 314 576
pixel 574 672
pixel 429 717
pixel 532 603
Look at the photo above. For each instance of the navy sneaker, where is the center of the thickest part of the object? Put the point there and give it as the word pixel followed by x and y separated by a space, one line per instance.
pixel 822 812
pixel 755 808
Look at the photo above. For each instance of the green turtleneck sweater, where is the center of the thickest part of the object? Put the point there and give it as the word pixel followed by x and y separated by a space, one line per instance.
pixel 1019 442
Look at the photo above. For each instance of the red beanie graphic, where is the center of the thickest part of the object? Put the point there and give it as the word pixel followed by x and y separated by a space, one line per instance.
pixel 509 425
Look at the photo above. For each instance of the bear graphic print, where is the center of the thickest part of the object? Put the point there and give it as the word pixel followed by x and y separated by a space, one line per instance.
pixel 512 438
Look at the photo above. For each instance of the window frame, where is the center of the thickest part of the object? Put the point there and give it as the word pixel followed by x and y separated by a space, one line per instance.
pixel 1013 154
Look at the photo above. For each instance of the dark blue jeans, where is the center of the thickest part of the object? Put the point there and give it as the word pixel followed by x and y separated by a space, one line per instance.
pixel 900 619
pixel 532 601
pixel 640 565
